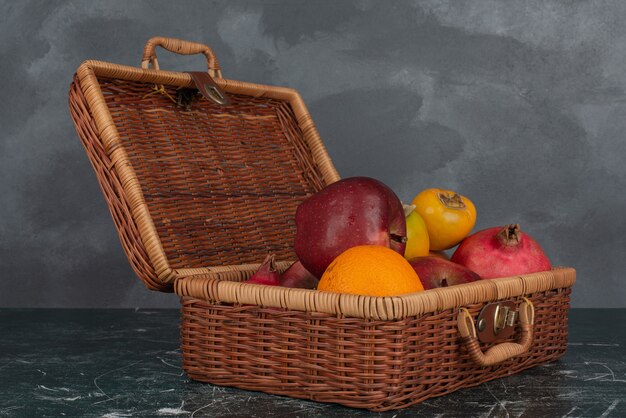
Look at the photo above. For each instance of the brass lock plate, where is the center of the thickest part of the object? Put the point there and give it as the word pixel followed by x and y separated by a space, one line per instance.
pixel 496 322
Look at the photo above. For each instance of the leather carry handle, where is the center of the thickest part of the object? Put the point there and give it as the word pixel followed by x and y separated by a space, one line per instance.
pixel 179 46
pixel 502 351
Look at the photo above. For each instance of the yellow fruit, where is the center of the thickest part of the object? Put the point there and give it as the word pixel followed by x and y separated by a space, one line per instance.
pixel 449 217
pixel 371 270
pixel 417 244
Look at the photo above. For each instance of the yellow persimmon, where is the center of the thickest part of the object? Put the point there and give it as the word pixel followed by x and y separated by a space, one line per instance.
pixel 449 217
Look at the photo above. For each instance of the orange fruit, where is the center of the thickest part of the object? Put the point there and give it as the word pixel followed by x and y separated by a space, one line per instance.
pixel 371 270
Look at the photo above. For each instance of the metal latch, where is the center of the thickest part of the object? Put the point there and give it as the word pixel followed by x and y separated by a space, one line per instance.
pixel 497 321
pixel 504 317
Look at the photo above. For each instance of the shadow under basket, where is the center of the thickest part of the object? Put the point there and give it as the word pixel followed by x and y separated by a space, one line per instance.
pixel 202 176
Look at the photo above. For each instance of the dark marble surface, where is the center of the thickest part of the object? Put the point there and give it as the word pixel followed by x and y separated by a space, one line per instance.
pixel 124 363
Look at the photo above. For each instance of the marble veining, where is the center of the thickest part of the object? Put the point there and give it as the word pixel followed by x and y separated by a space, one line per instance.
pixel 125 363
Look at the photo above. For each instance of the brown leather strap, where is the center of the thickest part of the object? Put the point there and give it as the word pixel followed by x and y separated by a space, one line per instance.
pixel 208 88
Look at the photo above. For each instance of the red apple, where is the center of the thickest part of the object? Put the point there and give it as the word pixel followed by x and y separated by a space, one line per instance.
pixel 353 211
pixel 435 271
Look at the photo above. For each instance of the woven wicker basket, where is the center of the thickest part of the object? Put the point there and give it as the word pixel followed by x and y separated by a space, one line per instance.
pixel 201 192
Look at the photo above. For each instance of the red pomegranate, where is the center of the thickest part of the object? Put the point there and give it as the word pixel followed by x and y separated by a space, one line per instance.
pixel 501 252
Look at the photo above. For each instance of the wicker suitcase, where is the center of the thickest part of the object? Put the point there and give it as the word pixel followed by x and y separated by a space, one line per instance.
pixel 200 191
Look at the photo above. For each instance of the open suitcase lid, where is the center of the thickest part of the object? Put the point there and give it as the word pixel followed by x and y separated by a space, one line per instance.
pixel 195 185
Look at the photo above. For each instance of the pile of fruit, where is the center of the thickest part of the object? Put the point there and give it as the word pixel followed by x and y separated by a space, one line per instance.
pixel 357 237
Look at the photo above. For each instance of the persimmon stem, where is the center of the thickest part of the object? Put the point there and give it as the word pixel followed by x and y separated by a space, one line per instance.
pixel 454 201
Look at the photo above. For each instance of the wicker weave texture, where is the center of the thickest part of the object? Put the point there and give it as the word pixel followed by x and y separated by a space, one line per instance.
pixel 197 186
pixel 112 189
pixel 226 287
pixel 222 182
pixel 372 364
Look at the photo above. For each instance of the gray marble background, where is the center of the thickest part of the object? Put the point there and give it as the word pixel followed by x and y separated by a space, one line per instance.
pixel 519 105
